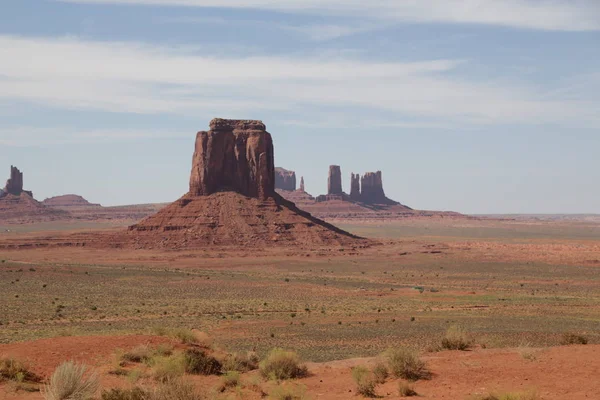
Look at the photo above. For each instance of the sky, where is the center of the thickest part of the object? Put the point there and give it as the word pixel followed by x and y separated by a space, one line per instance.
pixel 476 106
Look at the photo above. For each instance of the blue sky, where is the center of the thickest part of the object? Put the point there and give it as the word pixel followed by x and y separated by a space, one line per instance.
pixel 478 106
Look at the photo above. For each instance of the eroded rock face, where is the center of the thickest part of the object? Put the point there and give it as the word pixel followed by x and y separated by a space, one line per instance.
pixel 372 189
pixel 334 183
pixel 234 155
pixel 284 179
pixel 14 184
pixel 302 185
pixel 355 187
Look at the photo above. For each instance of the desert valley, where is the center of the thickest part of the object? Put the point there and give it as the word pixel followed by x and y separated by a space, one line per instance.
pixel 249 287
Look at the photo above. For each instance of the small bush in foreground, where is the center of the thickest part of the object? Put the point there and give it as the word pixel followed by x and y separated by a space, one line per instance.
pixel 125 394
pixel 405 363
pixel 139 354
pixel 380 372
pixel 573 338
pixel 406 390
pixel 169 368
pixel 14 370
pixel 365 381
pixel 230 380
pixel 241 362
pixel 176 389
pixel 198 362
pixel 281 365
pixel 71 381
pixel 288 392
pixel 456 338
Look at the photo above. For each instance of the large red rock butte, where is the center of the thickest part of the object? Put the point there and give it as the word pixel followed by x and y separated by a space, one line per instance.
pixel 232 199
pixel 285 180
pixel 68 200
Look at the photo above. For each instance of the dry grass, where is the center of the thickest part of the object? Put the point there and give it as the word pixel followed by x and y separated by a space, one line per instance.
pixel 282 365
pixel 457 338
pixel 199 362
pixel 532 395
pixel 230 380
pixel 125 394
pixel 288 392
pixel 176 389
pixel 573 338
pixel 365 381
pixel 406 390
pixel 380 372
pixel 405 363
pixel 169 368
pixel 14 370
pixel 241 362
pixel 71 381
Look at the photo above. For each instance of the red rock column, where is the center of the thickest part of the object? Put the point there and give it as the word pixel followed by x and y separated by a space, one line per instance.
pixel 334 183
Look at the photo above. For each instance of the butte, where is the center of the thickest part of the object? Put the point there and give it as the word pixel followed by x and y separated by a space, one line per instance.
pixel 232 199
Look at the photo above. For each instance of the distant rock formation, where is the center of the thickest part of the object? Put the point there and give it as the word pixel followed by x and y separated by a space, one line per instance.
pixel 355 187
pixel 372 189
pixel 232 200
pixel 334 182
pixel 285 180
pixel 68 200
pixel 302 189
pixel 14 184
pixel 234 155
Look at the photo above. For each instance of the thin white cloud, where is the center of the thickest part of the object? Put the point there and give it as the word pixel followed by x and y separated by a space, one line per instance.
pixel 572 15
pixel 26 136
pixel 137 78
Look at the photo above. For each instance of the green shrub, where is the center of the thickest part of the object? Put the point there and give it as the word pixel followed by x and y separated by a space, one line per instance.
pixel 71 381
pixel 139 354
pixel 406 390
pixel 380 372
pixel 199 362
pixel 456 338
pixel 281 365
pixel 186 336
pixel 125 394
pixel 573 338
pixel 405 363
pixel 365 381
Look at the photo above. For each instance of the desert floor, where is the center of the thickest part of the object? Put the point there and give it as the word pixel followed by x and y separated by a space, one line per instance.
pixel 517 287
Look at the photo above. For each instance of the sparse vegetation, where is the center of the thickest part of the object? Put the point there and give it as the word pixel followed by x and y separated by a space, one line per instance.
pixel 167 368
pixel 175 389
pixel 573 338
pixel 230 380
pixel 380 372
pixel 14 370
pixel 125 394
pixel 71 381
pixel 282 365
pixel 509 396
pixel 199 362
pixel 456 338
pixel 405 363
pixel 241 362
pixel 365 381
pixel 288 392
pixel 406 390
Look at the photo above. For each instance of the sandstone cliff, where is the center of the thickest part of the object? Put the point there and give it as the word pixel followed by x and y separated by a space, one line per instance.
pixel 334 181
pixel 355 187
pixel 285 180
pixel 234 155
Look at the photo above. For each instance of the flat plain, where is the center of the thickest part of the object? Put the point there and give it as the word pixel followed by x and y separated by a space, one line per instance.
pixel 510 284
